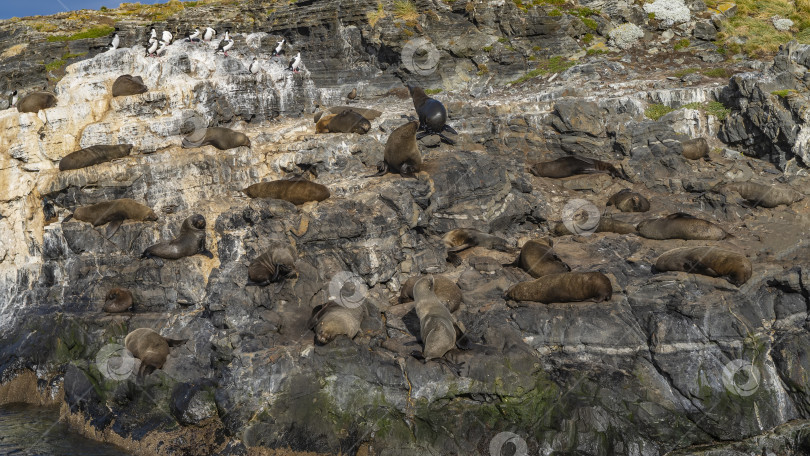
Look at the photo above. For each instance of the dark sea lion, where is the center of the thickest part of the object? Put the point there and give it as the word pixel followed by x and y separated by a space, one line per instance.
pixel 346 121
pixel 114 212
pixel 762 195
pixel 564 287
pixel 117 300
pixel 93 155
pixel 432 115
pixel 296 190
pixel 680 226
pixel 629 201
pixel 35 101
pixel 401 152
pixel 538 259
pixel 694 149
pixel 191 241
pixel 606 225
pixel 709 261
pixel 128 85
pixel 446 290
pixel 276 263
pixel 369 114
pixel 220 137
pixel 436 326
pixel 331 320
pixel 574 165
pixel 149 347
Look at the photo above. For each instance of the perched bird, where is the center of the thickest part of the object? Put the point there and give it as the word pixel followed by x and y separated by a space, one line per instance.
pixel 114 43
pixel 194 37
pixel 209 34
pixel 162 49
pixel 353 94
pixel 225 46
pixel 153 36
pixel 280 48
pixel 254 66
pixel 152 48
pixel 167 37
pixel 295 64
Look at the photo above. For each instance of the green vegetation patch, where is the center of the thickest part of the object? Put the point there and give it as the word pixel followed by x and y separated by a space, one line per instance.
pixel 96 32
pixel 782 93
pixel 717 109
pixel 555 64
pixel 683 72
pixel 433 91
pixel 656 111
pixel 717 73
pixel 591 52
pixel 681 44
pixel 753 24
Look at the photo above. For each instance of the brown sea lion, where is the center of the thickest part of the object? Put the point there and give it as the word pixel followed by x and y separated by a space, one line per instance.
pixel 606 225
pixel 296 190
pixel 35 101
pixel 276 263
pixel 694 149
pixel 538 259
pixel 574 165
pixel 680 226
pixel 149 347
pixel 446 290
pixel 220 137
pixel 128 85
pixel 564 287
pixel 369 114
pixel 401 152
pixel 322 125
pixel 190 241
pixel 762 195
pixel 347 121
pixel 709 261
pixel 94 155
pixel 432 115
pixel 464 238
pixel 331 320
pixel 436 326
pixel 629 201
pixel 353 94
pixel 114 212
pixel 117 300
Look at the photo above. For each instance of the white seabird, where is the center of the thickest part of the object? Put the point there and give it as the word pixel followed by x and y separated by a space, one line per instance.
pixel 254 66
pixel 209 34
pixel 152 48
pixel 295 64
pixel 280 48
pixel 114 43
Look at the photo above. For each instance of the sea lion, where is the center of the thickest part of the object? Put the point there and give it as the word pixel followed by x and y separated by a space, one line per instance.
pixel 276 263
pixel 694 149
pixel 94 155
pixel 346 121
pixel 353 94
pixel 564 287
pixel 149 347
pixel 369 114
pixel 709 261
pixel 681 226
pixel 117 300
pixel 296 190
pixel 574 165
pixel 114 212
pixel 128 85
pixel 331 320
pixel 401 152
pixel 432 115
pixel 762 195
pixel 220 137
pixel 191 241
pixel 538 259
pixel 606 225
pixel 446 290
pixel 436 325
pixel 464 238
pixel 35 101
pixel 629 201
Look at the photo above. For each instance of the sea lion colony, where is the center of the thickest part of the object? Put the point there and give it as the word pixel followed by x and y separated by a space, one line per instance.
pixel 436 297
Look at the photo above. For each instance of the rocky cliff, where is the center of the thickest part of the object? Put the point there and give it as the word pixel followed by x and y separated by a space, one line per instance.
pixel 673 362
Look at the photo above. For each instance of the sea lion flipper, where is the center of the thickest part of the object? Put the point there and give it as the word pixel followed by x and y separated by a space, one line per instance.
pixel 446 139
pixel 459 248
pixel 175 342
pixel 66 219
pixel 450 129
pixel 382 168
pixel 454 259
pixel 207 253
pixel 421 135
pixel 112 228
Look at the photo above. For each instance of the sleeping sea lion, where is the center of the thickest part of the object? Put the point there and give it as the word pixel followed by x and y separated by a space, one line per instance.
pixel 762 195
pixel 114 212
pixel 464 238
pixel 35 101
pixel 401 152
pixel 574 165
pixel 149 347
pixel 436 325
pixel 220 137
pixel 709 261
pixel 276 263
pixel 432 115
pixel 445 289
pixel 694 149
pixel 93 155
pixel 680 226
pixel 564 287
pixel 347 121
pixel 629 201
pixel 606 225
pixel 331 320
pixel 369 114
pixel 322 125
pixel 538 259
pixel 117 300
pixel 128 85
pixel 296 190
pixel 190 241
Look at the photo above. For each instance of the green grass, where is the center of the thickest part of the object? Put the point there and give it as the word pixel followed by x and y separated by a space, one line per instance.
pixel 405 10
pixel 685 71
pixel 681 44
pixel 97 32
pixel 590 23
pixel 693 105
pixel 555 13
pixel 487 48
pixel 587 38
pixel 57 64
pixel 717 73
pixel 591 52
pixel 656 111
pixel 753 23
pixel 433 91
pixel 782 93
pixel 556 64
pixel 584 12
pixel 717 109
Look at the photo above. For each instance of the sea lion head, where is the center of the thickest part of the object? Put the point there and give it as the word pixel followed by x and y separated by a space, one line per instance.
pixel 422 287
pixel 150 216
pixel 117 300
pixel 362 127
pixel 197 221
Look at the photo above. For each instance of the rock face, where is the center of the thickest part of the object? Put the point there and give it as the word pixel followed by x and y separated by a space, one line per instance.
pixel 671 360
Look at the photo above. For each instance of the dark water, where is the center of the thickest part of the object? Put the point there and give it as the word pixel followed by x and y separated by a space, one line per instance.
pixel 26 430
